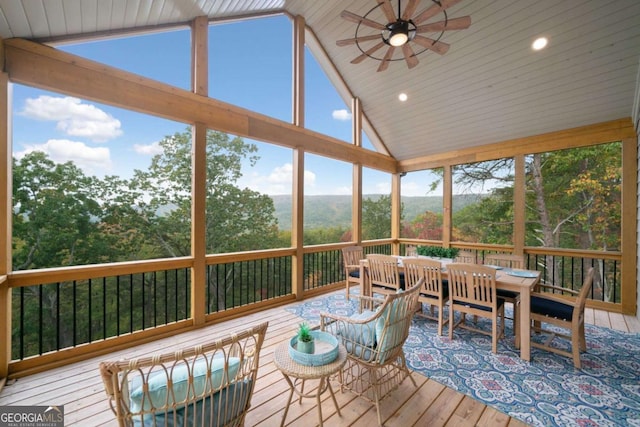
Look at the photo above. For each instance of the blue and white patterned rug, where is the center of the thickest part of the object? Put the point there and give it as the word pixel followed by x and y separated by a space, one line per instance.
pixel 549 391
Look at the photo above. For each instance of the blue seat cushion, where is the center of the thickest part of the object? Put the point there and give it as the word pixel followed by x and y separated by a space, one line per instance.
pixel 359 338
pixel 507 294
pixel 201 412
pixel 159 393
pixel 551 308
pixel 479 307
pixel 355 274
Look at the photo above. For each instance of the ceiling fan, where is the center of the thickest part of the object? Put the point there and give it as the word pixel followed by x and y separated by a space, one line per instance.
pixel 402 31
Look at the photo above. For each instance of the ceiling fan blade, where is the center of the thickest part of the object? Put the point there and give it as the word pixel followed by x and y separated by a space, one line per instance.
pixel 409 9
pixel 431 44
pixel 347 42
pixel 433 10
pixel 461 23
pixel 361 58
pixel 409 56
pixel 350 16
pixel 388 10
pixel 387 59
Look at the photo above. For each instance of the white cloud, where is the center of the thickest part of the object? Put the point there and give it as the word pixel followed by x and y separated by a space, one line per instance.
pixel 62 150
pixel 342 115
pixel 414 189
pixel 149 149
pixel 278 181
pixel 73 117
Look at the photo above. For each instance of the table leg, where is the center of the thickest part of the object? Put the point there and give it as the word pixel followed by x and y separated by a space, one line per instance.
pixel 286 408
pixel 333 396
pixel 365 288
pixel 318 402
pixel 525 324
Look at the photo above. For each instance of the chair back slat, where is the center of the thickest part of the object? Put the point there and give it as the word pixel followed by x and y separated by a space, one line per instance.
pixel 429 269
pixel 384 271
pixel 472 284
pixel 351 256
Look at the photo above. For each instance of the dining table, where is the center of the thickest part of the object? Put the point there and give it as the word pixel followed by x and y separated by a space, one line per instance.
pixel 521 281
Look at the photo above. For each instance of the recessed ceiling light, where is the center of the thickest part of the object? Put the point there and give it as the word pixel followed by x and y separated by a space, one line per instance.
pixel 540 43
pixel 402 97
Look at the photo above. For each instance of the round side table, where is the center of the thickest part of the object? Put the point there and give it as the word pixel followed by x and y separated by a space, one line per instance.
pixel 300 373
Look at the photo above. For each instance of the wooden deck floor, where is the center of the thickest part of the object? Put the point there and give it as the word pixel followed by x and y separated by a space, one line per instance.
pixel 79 388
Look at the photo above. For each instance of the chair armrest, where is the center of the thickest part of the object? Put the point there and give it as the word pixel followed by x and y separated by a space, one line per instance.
pixel 556 288
pixel 563 299
pixel 332 317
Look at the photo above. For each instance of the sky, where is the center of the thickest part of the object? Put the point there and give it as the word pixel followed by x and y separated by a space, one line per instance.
pixel 253 72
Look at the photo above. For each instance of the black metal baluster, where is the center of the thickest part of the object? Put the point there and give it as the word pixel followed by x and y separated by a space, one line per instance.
pixel 22 331
pixel 40 321
pixel 118 305
pixel 90 312
pixel 104 308
pixel 130 303
pixel 58 331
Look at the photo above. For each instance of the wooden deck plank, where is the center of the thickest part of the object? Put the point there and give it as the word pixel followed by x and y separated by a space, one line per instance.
pixel 633 323
pixel 467 413
pixel 79 387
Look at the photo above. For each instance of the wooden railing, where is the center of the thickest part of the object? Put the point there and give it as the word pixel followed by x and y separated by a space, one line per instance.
pixel 63 314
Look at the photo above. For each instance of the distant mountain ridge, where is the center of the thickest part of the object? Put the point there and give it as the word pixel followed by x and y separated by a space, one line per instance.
pixel 335 211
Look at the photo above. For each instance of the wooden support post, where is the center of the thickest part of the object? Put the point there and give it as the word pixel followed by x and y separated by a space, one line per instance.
pixel 629 225
pixel 199 79
pixel 395 212
pixel 447 202
pixel 5 226
pixel 298 70
pixel 356 194
pixel 519 205
pixel 297 226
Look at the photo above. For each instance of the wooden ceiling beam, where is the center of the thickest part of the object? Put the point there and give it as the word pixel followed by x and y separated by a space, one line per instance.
pixel 86 79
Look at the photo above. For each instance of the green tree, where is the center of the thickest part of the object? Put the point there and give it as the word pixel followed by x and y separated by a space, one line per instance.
pixel 55 215
pixel 376 217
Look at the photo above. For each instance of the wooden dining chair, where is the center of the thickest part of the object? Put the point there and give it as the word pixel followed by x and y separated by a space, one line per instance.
pixel 384 274
pixel 434 291
pixel 411 250
pixel 508 261
pixel 351 256
pixel 505 260
pixel 555 307
pixel 472 290
pixel 466 257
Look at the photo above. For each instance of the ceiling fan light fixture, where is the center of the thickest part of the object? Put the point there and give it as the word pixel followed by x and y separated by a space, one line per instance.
pixel 402 30
pixel 398 33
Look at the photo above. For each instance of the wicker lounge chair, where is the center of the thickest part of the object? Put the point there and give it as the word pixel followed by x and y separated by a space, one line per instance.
pixel 207 385
pixel 373 339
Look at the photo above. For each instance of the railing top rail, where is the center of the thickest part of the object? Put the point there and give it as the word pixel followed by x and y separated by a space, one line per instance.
pixel 82 272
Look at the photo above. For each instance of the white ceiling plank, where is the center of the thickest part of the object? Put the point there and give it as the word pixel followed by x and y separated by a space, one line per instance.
pixel 72 16
pixel 89 10
pixel 16 18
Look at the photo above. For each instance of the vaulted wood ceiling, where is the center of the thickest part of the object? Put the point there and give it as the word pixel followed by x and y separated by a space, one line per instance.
pixel 489 87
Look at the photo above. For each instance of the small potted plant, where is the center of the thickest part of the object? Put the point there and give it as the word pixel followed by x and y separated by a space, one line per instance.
pixel 305 339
